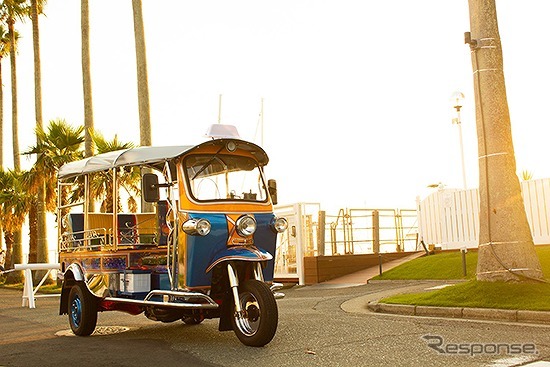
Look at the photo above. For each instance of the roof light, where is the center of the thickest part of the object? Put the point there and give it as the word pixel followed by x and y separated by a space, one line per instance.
pixel 221 131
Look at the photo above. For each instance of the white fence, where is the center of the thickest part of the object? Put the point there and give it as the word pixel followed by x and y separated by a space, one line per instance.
pixel 450 217
pixel 536 195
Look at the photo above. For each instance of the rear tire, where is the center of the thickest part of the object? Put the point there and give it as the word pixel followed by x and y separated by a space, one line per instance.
pixel 82 310
pixel 257 324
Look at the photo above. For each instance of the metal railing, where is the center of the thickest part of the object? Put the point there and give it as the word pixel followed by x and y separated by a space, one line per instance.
pixel 362 231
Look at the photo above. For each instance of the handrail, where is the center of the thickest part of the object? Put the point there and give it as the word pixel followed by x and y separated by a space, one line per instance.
pixel 357 228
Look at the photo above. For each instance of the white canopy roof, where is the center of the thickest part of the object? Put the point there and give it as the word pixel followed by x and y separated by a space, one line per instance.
pixel 128 157
pixel 147 156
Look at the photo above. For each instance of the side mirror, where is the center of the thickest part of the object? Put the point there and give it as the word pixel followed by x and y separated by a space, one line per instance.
pixel 150 188
pixel 272 188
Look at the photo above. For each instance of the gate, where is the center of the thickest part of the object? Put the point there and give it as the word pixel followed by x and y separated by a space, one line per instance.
pixel 313 232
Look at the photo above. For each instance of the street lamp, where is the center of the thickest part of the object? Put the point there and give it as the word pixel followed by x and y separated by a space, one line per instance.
pixel 457 99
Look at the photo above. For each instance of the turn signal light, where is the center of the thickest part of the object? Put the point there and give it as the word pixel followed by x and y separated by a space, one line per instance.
pixel 279 225
pixel 196 227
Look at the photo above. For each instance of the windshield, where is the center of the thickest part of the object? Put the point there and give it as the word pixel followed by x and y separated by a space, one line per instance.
pixel 224 177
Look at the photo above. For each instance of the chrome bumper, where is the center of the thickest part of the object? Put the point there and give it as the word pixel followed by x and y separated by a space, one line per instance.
pixel 274 288
pixel 177 299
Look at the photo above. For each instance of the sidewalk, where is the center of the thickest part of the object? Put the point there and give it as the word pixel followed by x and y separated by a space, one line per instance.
pixel 363 276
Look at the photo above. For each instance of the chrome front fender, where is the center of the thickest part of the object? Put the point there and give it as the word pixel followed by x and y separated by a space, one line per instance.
pixel 239 253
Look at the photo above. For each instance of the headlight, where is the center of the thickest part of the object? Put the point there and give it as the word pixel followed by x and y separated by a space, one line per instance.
pixel 279 225
pixel 195 227
pixel 246 225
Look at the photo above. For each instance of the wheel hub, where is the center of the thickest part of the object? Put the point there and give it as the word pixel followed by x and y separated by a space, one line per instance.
pixel 76 311
pixel 253 313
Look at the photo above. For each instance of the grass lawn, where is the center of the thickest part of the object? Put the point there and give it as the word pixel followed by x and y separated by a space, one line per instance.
pixel 445 265
pixel 46 288
pixel 514 296
pixel 526 296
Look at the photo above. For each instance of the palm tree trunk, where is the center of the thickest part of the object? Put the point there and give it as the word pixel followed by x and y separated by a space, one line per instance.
pixel 16 258
pixel 15 127
pixel 1 118
pixel 41 229
pixel 87 84
pixel 17 251
pixel 33 238
pixel 145 138
pixel 143 87
pixel 86 77
pixel 1 138
pixel 8 238
pixel 506 248
pixel 37 66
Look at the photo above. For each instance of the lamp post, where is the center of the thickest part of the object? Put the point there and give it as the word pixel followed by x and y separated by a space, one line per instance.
pixel 457 99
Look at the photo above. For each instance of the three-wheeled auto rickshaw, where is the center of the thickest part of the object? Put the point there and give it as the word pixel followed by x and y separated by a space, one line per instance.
pixel 201 247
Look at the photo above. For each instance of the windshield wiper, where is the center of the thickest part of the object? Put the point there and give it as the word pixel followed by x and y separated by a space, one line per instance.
pixel 208 163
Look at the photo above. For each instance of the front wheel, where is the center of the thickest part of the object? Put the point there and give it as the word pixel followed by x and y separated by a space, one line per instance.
pixel 82 310
pixel 256 324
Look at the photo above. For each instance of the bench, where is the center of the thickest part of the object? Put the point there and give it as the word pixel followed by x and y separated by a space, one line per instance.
pixel 29 292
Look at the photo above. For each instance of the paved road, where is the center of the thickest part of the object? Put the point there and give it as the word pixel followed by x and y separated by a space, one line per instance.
pixel 318 326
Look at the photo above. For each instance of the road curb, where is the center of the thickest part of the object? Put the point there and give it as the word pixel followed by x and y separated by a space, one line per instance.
pixel 469 313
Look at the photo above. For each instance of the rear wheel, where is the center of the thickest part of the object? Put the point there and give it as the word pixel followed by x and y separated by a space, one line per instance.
pixel 256 324
pixel 82 310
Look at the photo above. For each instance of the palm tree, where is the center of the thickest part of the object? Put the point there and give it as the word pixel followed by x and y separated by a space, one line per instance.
pixel 506 248
pixel 41 232
pixel 14 206
pixel 10 12
pixel 36 9
pixel 145 138
pixel 4 182
pixel 526 175
pixel 58 144
pixel 27 178
pixel 86 78
pixel 141 64
pixel 4 51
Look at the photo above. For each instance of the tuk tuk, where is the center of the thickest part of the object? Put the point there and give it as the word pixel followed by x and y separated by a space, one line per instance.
pixel 201 247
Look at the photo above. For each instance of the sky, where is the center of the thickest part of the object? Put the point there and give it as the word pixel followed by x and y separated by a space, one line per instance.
pixel 356 94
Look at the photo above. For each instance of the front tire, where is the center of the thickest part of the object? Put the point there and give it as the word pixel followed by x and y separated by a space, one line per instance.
pixel 82 310
pixel 257 323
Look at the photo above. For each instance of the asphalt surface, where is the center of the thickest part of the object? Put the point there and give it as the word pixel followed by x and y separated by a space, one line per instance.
pixel 321 325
